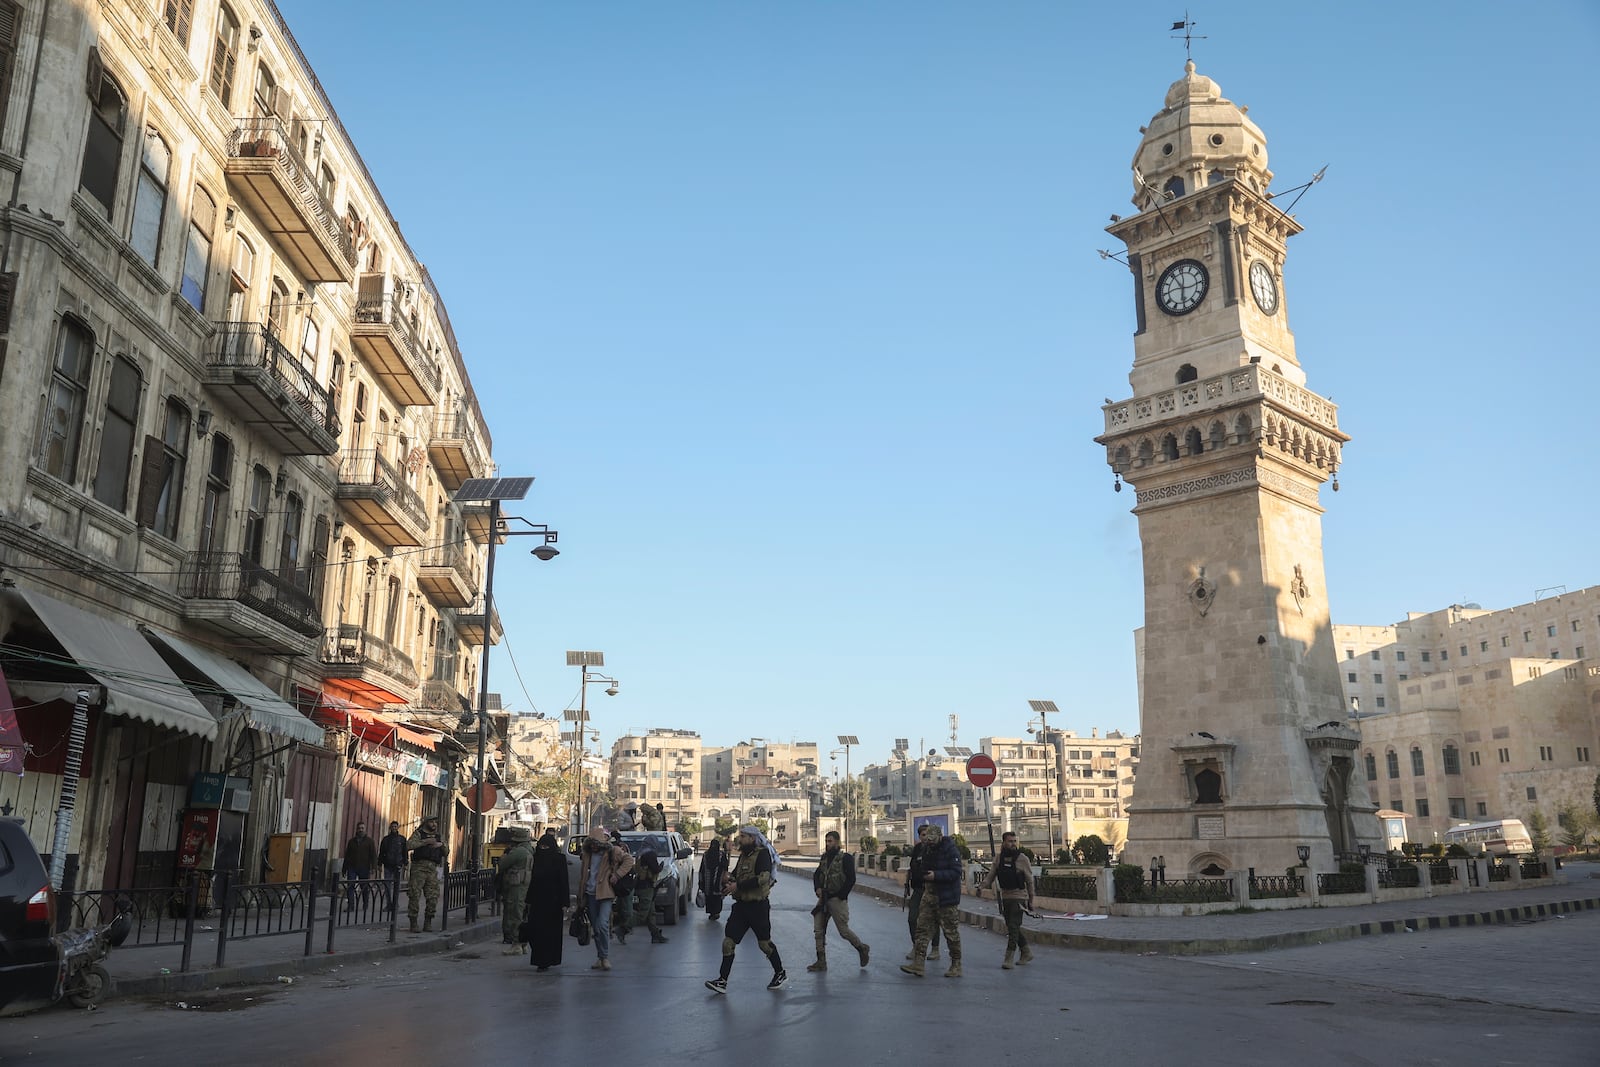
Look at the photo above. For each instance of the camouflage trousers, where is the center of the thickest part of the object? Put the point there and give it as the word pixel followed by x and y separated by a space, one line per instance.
pixel 424 885
pixel 1012 910
pixel 931 916
pixel 512 901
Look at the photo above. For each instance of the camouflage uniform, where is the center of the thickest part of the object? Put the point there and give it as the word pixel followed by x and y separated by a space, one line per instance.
pixel 514 873
pixel 427 853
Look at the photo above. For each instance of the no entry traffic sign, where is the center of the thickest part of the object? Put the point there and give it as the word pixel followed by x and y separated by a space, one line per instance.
pixel 981 771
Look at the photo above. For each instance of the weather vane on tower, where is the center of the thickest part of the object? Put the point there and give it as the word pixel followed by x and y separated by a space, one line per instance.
pixel 1189 36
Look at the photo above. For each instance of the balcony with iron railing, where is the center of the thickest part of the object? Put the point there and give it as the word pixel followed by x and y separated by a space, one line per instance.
pixel 471 625
pixel 383 335
pixel 255 377
pixel 475 517
pixel 454 449
pixel 279 189
pixel 366 662
pixel 239 598
pixel 447 576
pixel 375 495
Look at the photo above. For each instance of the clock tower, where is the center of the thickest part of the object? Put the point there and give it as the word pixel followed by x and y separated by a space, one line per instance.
pixel 1245 750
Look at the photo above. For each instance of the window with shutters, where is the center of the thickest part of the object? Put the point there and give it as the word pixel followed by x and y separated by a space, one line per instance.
pixel 65 408
pixel 179 17
pixel 315 575
pixel 102 149
pixel 219 480
pixel 150 198
pixel 278 307
pixel 294 515
pixel 255 519
pixel 197 252
pixel 266 91
pixel 10 16
pixel 173 457
pixel 117 434
pixel 391 619
pixel 225 56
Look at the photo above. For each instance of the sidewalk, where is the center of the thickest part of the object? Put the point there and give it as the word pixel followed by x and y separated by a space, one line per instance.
pixel 153 970
pixel 1196 935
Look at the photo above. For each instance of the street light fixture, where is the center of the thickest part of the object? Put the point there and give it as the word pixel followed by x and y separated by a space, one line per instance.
pixel 583 661
pixel 493 490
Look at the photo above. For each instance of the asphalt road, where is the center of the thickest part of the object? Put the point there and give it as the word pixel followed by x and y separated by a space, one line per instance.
pixel 1518 994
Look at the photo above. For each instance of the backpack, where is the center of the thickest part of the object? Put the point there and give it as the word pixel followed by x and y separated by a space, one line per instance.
pixel 651 819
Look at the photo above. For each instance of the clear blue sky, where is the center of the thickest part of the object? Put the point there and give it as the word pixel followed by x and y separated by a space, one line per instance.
pixel 794 312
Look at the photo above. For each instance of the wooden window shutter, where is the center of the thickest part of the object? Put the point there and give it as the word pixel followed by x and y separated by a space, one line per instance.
pixel 10 13
pixel 151 469
pixel 8 284
pixel 94 75
pixel 280 102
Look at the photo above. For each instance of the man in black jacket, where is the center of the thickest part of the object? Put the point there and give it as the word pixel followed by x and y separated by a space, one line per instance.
pixel 833 879
pixel 915 887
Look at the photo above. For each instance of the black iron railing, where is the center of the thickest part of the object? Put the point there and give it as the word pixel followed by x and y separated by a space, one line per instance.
pixel 1342 882
pixel 368 467
pixel 1069 886
pixel 1181 891
pixel 353 645
pixel 234 576
pixel 253 344
pixel 389 310
pixel 1406 877
pixel 269 138
pixel 1276 886
pixel 1441 873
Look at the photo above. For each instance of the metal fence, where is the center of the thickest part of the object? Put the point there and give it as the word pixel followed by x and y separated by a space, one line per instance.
pixel 1180 891
pixel 1405 877
pixel 1068 886
pixel 1276 886
pixel 1342 882
pixel 1441 873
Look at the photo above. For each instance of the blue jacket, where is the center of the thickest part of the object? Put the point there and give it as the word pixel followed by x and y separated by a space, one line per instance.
pixel 943 871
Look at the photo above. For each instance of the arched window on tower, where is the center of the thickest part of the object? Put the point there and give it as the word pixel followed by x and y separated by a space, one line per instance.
pixel 1169 446
pixel 1147 452
pixel 1192 442
pixel 1187 373
pixel 1208 787
pixel 1219 436
pixel 1214 176
pixel 1173 188
pixel 1243 428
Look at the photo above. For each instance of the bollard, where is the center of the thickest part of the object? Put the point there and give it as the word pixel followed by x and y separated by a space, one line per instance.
pixel 310 888
pixel 191 896
pixel 221 881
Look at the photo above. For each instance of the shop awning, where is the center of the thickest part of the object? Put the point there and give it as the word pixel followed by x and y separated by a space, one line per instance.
pixel 368 724
pixel 138 682
pixel 264 709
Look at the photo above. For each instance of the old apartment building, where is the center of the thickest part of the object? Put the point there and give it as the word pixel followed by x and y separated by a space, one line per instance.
pixel 234 417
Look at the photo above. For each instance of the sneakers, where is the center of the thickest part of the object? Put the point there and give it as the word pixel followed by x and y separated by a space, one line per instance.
pixel 818 966
pixel 864 950
pixel 600 965
pixel 779 980
pixel 718 985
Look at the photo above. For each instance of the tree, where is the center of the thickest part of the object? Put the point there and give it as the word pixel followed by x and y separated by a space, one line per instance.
pixel 690 826
pixel 852 799
pixel 759 824
pixel 1597 795
pixel 726 824
pixel 1090 850
pixel 1539 830
pixel 1576 826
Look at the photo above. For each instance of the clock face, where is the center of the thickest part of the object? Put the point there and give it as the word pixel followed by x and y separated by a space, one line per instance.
pixel 1264 287
pixel 1181 287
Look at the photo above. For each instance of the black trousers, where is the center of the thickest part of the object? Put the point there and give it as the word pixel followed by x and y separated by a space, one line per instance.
pixel 754 916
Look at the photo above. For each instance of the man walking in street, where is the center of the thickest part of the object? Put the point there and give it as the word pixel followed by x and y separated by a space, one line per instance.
pixel 941 904
pixel 833 879
pixel 360 857
pixel 392 855
pixel 650 871
pixel 915 888
pixel 427 852
pixel 749 883
pixel 604 864
pixel 513 875
pixel 1014 875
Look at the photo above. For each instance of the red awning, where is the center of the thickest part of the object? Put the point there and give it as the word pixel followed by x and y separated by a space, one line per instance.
pixel 367 724
pixel 11 745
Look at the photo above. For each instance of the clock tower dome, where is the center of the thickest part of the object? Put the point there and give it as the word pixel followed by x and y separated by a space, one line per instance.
pixel 1246 753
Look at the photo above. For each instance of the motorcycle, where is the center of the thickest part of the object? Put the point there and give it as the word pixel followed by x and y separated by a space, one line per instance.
pixel 81 977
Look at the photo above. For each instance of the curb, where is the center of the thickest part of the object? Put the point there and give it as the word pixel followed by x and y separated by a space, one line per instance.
pixel 317 963
pixel 1212 946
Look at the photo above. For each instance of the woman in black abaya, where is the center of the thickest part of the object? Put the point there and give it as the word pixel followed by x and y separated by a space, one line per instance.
pixel 547 899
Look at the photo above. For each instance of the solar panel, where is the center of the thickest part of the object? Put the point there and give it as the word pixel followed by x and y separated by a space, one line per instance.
pixel 494 489
pixel 849 739
pixel 958 753
pixel 586 659
pixel 1043 705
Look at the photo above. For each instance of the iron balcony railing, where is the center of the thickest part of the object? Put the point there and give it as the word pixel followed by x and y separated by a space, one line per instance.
pixel 389 310
pixel 366 466
pixel 234 576
pixel 353 645
pixel 253 344
pixel 454 555
pixel 457 426
pixel 270 137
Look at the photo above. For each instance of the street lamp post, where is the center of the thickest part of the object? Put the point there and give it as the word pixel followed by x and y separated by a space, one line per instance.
pixel 583 661
pixel 1044 708
pixel 846 740
pixel 493 490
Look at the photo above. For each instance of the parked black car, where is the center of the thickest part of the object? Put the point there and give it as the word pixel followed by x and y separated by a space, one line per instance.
pixel 28 959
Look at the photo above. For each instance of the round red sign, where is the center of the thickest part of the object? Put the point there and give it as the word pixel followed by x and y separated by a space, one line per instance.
pixel 981 771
